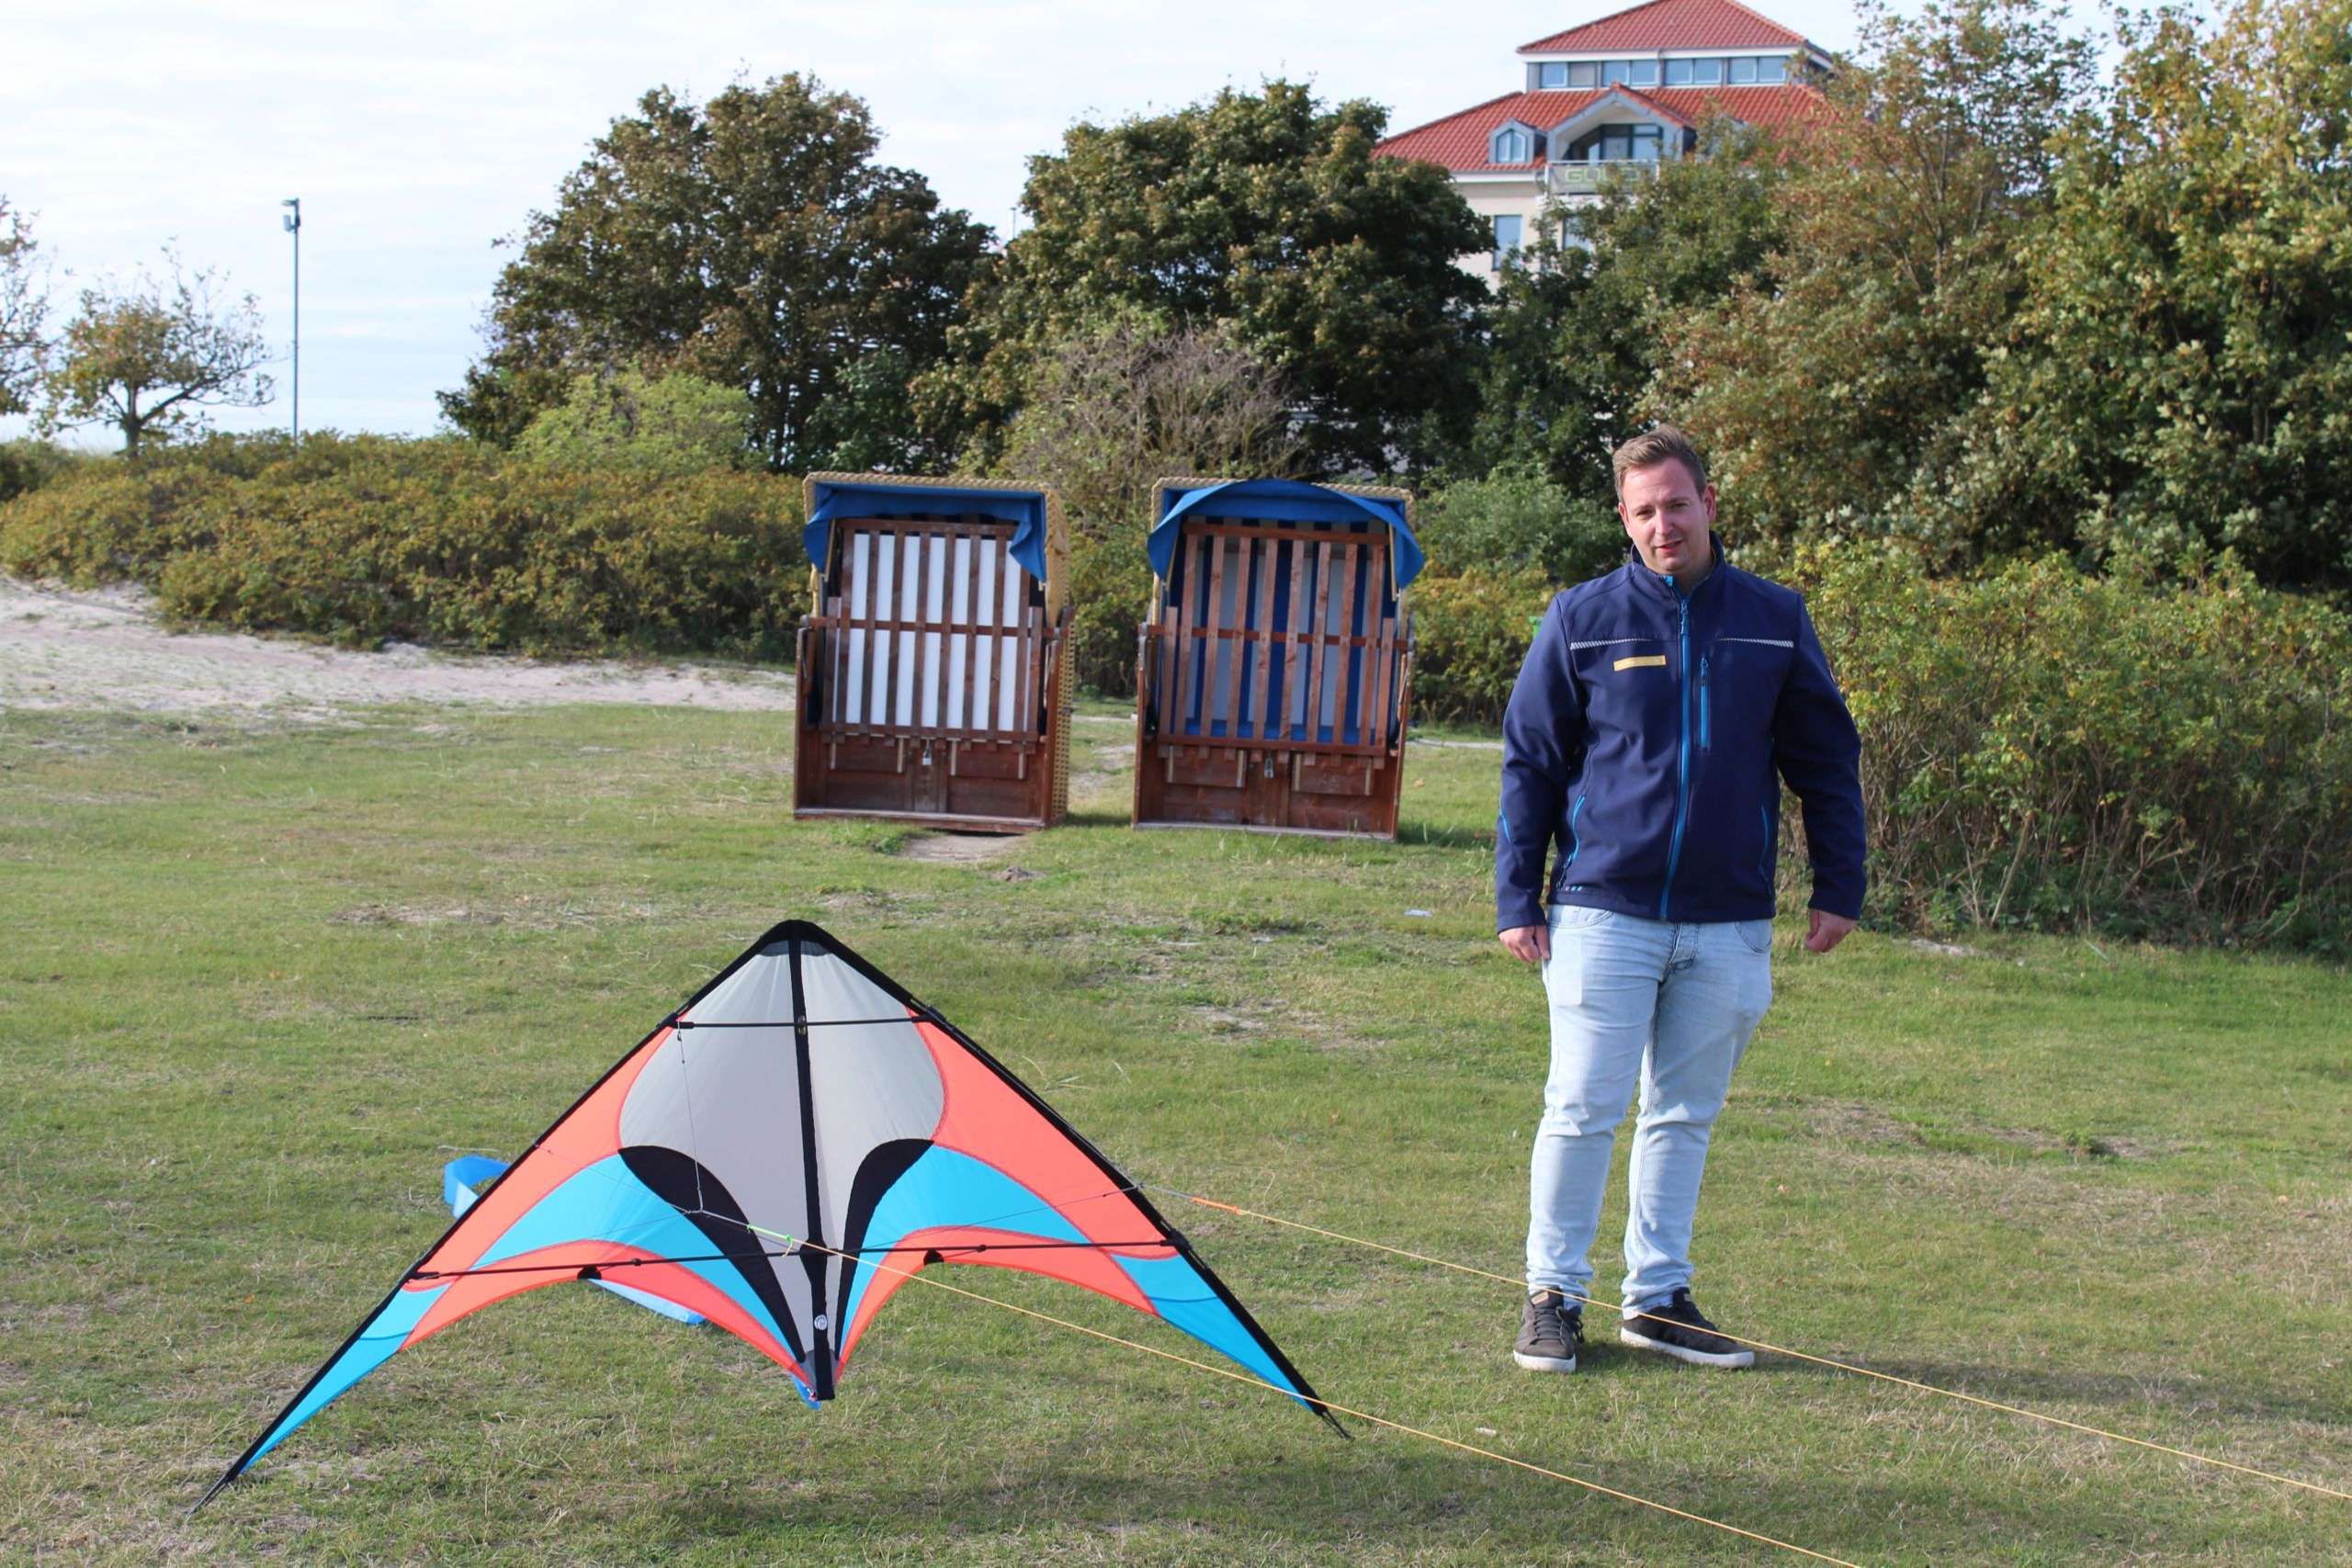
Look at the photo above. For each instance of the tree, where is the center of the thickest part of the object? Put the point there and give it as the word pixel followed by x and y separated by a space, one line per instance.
pixel 752 240
pixel 1576 337
pixel 24 308
pixel 1119 406
pixel 150 358
pixel 1263 211
pixel 1835 390
pixel 638 424
pixel 1115 407
pixel 2180 374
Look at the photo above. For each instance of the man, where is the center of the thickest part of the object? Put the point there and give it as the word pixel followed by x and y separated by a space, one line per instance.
pixel 1642 738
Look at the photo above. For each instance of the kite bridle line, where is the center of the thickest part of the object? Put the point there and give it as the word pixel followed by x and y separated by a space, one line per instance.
pixel 862 1261
pixel 1770 1348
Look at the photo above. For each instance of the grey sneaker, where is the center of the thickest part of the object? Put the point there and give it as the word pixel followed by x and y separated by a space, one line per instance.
pixel 1678 1329
pixel 1549 1331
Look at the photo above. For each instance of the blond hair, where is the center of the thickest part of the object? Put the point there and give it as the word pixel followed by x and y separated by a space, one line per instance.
pixel 1658 444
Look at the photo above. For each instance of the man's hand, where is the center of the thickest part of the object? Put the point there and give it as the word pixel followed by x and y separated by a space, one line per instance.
pixel 1824 931
pixel 1531 945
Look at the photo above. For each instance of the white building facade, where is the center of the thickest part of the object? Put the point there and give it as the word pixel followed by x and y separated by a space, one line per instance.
pixel 1623 91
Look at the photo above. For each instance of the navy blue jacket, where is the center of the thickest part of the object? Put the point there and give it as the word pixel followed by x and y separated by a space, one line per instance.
pixel 1642 738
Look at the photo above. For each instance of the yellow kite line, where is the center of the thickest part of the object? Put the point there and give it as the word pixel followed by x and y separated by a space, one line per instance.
pixel 1774 1350
pixel 1364 1416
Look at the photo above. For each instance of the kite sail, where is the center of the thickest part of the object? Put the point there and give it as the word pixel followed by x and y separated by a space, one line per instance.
pixel 782 1153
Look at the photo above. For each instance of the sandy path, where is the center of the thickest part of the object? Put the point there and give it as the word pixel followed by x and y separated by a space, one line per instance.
pixel 60 648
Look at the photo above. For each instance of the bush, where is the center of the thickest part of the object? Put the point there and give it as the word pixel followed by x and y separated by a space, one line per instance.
pixel 29 465
pixel 1470 636
pixel 1509 520
pixel 672 424
pixel 439 541
pixel 1110 597
pixel 2048 749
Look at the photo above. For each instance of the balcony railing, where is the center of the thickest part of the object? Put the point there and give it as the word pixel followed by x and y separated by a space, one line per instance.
pixel 1584 178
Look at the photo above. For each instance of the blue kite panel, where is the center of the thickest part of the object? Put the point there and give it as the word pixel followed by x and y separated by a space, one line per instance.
pixel 945 1187
pixel 606 1201
pixel 371 1350
pixel 1025 509
pixel 1184 1299
pixel 463 1181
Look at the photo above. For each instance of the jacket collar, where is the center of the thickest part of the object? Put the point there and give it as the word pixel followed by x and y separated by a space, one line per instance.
pixel 1657 584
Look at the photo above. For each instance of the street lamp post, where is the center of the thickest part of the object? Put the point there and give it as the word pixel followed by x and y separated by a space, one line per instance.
pixel 293 221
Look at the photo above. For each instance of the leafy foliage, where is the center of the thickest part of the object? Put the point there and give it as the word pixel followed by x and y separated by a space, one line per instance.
pixel 1265 211
pixel 2045 748
pixel 441 541
pixel 1575 333
pixel 2181 369
pixel 1511 522
pixel 24 308
pixel 29 465
pixel 1114 408
pixel 1471 631
pixel 151 355
pixel 638 423
pixel 752 240
pixel 1833 387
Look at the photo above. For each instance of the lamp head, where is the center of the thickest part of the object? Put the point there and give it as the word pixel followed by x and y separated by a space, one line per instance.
pixel 292 218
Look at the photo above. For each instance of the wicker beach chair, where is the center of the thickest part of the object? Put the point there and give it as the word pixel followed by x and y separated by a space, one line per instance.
pixel 932 686
pixel 1272 681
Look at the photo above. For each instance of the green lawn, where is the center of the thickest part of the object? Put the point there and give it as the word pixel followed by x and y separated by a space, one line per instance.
pixel 256 987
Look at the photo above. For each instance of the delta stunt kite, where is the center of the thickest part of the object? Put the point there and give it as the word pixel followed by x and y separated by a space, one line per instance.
pixel 782 1153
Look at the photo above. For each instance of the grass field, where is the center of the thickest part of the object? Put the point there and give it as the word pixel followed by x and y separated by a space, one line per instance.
pixel 256 987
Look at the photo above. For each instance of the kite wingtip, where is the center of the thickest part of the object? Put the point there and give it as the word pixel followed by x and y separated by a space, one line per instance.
pixel 214 1490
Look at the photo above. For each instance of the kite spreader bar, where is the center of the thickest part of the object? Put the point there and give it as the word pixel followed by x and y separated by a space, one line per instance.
pixel 931 1255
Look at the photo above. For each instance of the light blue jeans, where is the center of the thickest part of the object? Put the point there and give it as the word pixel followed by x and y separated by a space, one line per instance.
pixel 1672 1005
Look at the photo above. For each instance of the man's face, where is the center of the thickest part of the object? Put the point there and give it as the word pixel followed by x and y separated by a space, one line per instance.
pixel 1666 515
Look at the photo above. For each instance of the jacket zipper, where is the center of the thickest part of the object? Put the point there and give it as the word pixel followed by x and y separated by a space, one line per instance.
pixel 1682 762
pixel 1703 745
pixel 1575 845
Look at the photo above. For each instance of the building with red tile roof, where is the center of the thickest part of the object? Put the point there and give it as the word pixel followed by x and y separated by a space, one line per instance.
pixel 1625 89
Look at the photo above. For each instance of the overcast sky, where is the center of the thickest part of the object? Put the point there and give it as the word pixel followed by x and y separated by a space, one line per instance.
pixel 418 134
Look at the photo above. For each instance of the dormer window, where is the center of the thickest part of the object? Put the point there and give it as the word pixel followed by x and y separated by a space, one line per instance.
pixel 1694 73
pixel 1553 75
pixel 1512 144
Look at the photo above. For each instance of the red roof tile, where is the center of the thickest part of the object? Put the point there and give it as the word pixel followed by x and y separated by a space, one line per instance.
pixel 1672 24
pixel 1459 142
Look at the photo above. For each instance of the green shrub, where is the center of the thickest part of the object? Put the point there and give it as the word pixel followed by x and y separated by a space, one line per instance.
pixel 1109 597
pixel 2045 748
pixel 439 541
pixel 27 465
pixel 675 423
pixel 1470 636
pixel 1509 521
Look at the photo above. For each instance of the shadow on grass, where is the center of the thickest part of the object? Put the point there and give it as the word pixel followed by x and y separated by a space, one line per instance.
pixel 2065 1394
pixel 1399 1500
